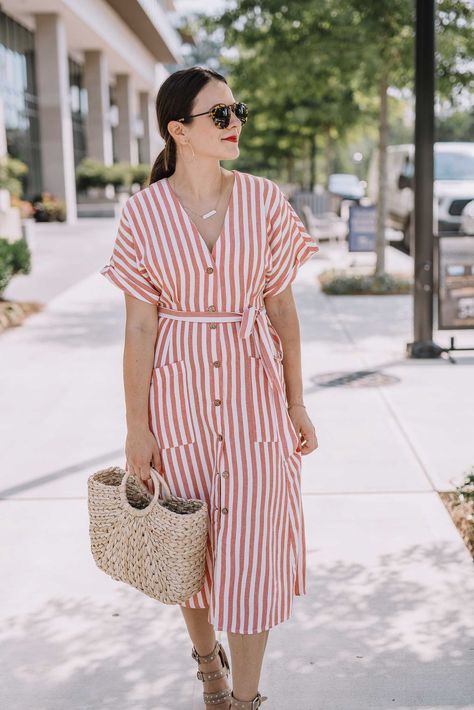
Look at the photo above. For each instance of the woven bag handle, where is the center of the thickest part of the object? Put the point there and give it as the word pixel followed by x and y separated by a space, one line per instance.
pixel 158 481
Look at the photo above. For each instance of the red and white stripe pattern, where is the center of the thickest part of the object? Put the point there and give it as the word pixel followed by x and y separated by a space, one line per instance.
pixel 212 407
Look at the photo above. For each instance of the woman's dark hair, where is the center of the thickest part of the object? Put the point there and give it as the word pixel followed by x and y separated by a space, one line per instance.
pixel 174 100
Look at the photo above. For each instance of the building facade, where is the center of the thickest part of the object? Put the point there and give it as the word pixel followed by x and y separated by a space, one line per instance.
pixel 80 79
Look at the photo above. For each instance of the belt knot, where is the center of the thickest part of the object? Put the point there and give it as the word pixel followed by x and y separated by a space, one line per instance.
pixel 249 315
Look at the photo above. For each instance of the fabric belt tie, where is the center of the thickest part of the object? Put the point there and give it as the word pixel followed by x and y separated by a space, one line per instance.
pixel 252 322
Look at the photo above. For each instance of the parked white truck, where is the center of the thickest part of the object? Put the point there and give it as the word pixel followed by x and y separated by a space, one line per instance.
pixel 453 186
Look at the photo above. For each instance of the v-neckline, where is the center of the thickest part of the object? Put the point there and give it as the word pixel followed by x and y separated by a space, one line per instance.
pixel 229 211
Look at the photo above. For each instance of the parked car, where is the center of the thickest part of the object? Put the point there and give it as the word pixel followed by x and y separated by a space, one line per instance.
pixel 346 186
pixel 453 186
pixel 467 219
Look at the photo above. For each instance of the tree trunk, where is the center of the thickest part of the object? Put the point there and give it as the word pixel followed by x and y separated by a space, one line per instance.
pixel 290 166
pixel 312 162
pixel 329 154
pixel 382 178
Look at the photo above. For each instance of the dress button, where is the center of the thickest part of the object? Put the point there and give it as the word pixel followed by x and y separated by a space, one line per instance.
pixel 212 326
pixel 219 437
pixel 225 511
pixel 225 474
pixel 217 402
pixel 211 308
pixel 217 363
pixel 209 270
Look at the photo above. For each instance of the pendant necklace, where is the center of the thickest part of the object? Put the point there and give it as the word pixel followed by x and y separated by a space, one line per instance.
pixel 206 215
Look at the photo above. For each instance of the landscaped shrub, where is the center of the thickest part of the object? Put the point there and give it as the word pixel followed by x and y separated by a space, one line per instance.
pixel 140 174
pixel 93 173
pixel 119 174
pixel 343 283
pixel 11 172
pixel 90 173
pixel 15 258
pixel 21 256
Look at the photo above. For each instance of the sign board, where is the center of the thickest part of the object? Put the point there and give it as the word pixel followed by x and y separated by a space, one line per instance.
pixel 362 228
pixel 455 282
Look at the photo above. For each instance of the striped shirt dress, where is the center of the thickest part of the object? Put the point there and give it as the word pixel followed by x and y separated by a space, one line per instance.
pixel 217 402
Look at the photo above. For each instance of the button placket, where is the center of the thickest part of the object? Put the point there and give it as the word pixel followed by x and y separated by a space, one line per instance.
pixel 216 364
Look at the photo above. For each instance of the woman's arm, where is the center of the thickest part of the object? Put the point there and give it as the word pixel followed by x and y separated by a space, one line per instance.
pixel 281 310
pixel 141 329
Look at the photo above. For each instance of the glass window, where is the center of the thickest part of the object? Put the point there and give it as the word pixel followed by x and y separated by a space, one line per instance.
pixel 20 100
pixel 454 166
pixel 78 110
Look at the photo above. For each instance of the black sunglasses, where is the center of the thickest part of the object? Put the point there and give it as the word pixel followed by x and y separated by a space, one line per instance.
pixel 221 113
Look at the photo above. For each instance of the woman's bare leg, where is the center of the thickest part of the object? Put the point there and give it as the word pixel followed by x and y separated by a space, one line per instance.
pixel 247 652
pixel 204 639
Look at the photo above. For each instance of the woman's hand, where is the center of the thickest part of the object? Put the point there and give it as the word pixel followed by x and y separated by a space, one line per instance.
pixel 141 451
pixel 304 429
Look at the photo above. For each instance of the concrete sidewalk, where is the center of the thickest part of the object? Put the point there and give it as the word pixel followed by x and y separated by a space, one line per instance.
pixel 388 620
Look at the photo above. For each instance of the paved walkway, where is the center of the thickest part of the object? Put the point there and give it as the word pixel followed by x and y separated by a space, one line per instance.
pixel 388 621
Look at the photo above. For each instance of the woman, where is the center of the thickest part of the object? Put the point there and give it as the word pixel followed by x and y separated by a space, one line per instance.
pixel 223 417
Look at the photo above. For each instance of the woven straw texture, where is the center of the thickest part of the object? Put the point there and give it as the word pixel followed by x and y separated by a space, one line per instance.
pixel 156 544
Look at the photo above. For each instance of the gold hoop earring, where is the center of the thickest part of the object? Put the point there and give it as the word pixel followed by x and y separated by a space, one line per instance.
pixel 194 156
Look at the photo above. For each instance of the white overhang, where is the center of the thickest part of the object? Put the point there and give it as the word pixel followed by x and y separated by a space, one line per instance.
pixel 97 25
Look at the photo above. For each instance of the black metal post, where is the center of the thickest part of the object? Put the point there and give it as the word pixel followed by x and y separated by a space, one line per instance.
pixel 423 345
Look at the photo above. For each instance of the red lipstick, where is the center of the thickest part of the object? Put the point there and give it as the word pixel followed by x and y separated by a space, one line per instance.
pixel 231 138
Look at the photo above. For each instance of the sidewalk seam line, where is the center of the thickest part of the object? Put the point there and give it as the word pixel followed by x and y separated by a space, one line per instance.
pixel 380 392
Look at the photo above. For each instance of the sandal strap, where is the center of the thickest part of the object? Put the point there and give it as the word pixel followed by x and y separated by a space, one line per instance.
pixel 210 656
pixel 217 650
pixel 253 704
pixel 212 675
pixel 217 697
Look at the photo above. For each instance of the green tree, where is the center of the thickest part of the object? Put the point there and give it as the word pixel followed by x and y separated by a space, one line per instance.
pixel 309 71
pixel 294 92
pixel 387 60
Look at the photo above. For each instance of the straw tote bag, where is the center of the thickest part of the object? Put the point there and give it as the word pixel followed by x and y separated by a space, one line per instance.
pixel 157 545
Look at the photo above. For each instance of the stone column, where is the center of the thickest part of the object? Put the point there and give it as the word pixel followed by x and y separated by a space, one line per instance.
pixel 127 148
pixel 152 142
pixel 99 132
pixel 56 138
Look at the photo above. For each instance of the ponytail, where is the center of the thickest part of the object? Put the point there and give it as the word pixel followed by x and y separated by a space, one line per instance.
pixel 165 163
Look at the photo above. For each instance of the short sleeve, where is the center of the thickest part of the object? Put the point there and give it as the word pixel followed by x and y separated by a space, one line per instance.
pixel 124 269
pixel 289 243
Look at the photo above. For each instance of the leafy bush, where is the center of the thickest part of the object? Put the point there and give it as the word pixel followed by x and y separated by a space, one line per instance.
pixel 15 258
pixel 119 174
pixel 342 283
pixel 48 208
pixel 11 172
pixel 90 173
pixel 93 173
pixel 140 174
pixel 21 256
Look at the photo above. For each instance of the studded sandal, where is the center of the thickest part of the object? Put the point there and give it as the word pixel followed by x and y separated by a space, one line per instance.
pixel 218 696
pixel 247 704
